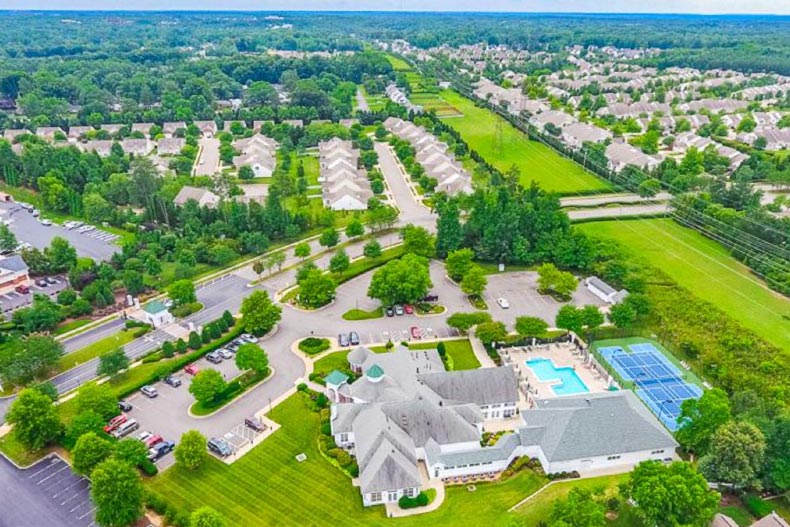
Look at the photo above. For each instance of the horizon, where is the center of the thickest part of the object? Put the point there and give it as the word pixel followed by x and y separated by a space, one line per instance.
pixel 536 7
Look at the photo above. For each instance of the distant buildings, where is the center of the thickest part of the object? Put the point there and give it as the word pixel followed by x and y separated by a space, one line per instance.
pixel 345 186
pixel 202 196
pixel 257 152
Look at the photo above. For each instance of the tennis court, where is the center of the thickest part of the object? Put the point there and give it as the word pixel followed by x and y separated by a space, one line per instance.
pixel 658 382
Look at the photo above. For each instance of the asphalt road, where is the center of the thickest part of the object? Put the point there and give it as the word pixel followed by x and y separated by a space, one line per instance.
pixel 614 212
pixel 47 494
pixel 96 244
pixel 410 210
pixel 605 199
pixel 362 103
pixel 208 162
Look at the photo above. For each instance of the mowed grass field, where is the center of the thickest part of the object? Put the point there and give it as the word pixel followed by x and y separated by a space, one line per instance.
pixel 536 161
pixel 705 268
pixel 268 487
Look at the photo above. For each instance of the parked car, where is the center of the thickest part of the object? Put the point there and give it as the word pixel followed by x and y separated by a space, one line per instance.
pixel 255 424
pixel 126 428
pixel 233 346
pixel 36 212
pixel 152 440
pixel 159 450
pixel 41 282
pixel 149 391
pixel 353 338
pixel 219 447
pixel 225 353
pixel 22 289
pixel 503 303
pixel 214 357
pixel 143 436
pixel 389 311
pixel 430 298
pixel 342 340
pixel 191 369
pixel 50 280
pixel 399 310
pixel 46 223
pixel 249 338
pixel 415 332
pixel 115 422
pixel 173 381
pixel 409 309
pixel 125 406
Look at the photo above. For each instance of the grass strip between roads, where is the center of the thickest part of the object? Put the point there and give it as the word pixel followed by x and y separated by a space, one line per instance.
pixel 95 349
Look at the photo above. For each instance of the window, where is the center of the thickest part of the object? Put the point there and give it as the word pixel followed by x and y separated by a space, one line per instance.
pixel 409 492
pixel 611 458
pixel 393 496
pixel 344 438
pixel 654 452
pixel 375 496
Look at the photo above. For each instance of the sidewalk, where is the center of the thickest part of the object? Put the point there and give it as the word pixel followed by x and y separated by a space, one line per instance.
pixel 480 352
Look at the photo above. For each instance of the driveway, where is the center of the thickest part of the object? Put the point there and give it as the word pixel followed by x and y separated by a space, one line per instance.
pixel 96 244
pixel 410 210
pixel 207 164
pixel 47 494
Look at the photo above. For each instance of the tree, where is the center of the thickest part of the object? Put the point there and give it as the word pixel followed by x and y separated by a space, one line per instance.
pixel 622 315
pixel 43 315
pixel 252 357
pixel 465 321
pixel 206 517
pixel 131 450
pixel 489 332
pixel 98 398
pixel 405 280
pixel 246 172
pixel 700 418
pixel 418 240
pixel 194 341
pixel 582 508
pixel 671 495
pixel 777 455
pixel 381 217
pixel 182 292
pixel 112 363
pixel 258 314
pixel 551 279
pixel 61 255
pixel 24 359
pixel 258 267
pixel 531 327
pixel 329 238
pixel 89 450
pixel 339 261
pixel 449 233
pixel 133 282
pixel 735 456
pixel 458 263
pixel 207 385
pixel 649 188
pixel 372 249
pixel 35 419
pixel 84 422
pixel 117 492
pixel 302 250
pixel 8 241
pixel 591 317
pixel 191 452
pixel 316 288
pixel 474 282
pixel 355 228
pixel 570 317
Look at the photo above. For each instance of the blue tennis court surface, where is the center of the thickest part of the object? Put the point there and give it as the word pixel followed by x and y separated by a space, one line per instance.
pixel 658 382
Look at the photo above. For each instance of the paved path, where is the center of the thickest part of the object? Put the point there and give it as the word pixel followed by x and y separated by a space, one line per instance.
pixel 410 210
pixel 362 103
pixel 605 199
pixel 615 212
pixel 207 164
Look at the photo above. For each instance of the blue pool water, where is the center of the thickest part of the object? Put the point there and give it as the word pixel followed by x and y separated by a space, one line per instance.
pixel 546 371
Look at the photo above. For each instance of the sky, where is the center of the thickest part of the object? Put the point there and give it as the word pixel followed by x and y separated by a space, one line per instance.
pixel 574 6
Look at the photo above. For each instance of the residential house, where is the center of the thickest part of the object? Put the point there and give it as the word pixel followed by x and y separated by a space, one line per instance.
pixel 553 117
pixel 170 146
pixel 49 132
pixel 138 147
pixel 604 291
pixel 203 196
pixel 77 132
pixel 296 123
pixel 10 135
pixel 170 129
pixel 207 128
pixel 621 155
pixel 143 128
pixel 102 147
pixel 258 152
pixel 111 129
pixel 228 124
pixel 344 185
pixel 771 520
pixel 576 134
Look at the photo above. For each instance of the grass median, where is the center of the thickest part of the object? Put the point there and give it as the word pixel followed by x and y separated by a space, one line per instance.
pixel 95 349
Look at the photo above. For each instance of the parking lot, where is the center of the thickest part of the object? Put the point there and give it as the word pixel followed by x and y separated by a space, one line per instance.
pixel 167 414
pixel 93 243
pixel 10 301
pixel 48 494
pixel 520 289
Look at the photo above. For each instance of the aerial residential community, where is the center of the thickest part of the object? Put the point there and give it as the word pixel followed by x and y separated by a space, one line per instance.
pixel 403 268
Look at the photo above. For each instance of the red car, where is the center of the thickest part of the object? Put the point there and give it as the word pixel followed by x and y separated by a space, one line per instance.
pixel 153 440
pixel 409 309
pixel 22 289
pixel 191 369
pixel 115 422
pixel 415 332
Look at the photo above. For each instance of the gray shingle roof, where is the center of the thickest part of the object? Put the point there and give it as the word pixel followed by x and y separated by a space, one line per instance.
pixel 482 386
pixel 590 425
pixel 13 263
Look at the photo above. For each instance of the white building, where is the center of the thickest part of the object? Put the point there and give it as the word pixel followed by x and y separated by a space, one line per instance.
pixel 604 291
pixel 156 314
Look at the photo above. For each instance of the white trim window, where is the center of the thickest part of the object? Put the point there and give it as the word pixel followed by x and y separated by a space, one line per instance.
pixel 375 497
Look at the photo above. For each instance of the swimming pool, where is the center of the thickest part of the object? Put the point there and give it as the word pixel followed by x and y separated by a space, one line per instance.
pixel 570 382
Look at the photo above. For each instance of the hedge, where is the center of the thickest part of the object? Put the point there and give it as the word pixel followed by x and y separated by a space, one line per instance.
pixel 314 345
pixel 421 500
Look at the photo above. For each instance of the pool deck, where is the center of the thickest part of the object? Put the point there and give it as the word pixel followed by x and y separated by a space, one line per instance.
pixel 562 355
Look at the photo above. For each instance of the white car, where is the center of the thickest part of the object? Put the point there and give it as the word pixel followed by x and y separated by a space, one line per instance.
pixel 503 303
pixel 46 223
pixel 252 339
pixel 142 436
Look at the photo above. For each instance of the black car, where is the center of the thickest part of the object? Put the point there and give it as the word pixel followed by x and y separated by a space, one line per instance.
pixel 430 298
pixel 124 406
pixel 342 340
pixel 353 338
pixel 41 282
pixel 160 449
pixel 219 447
pixel 173 381
pixel 390 311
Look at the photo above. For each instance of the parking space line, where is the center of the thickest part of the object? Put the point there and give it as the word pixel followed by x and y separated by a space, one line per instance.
pixel 58 472
pixel 87 513
pixel 80 504
pixel 67 488
pixel 53 462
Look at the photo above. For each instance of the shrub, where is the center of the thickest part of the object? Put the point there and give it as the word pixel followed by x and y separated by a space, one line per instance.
pixel 326 429
pixel 155 502
pixel 139 332
pixel 148 468
pixel 194 340
pixel 222 325
pixel 130 323
pixel 181 346
pixel 153 357
pixel 422 499
pixel 227 316
pixel 168 349
pixel 757 506
pixel 343 458
pixel 301 387
pixel 322 401
pixel 314 345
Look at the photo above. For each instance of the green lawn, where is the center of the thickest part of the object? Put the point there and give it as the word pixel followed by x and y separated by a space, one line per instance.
pixel 398 64
pixel 535 160
pixel 19 453
pixel 359 314
pixel 460 351
pixel 705 268
pixel 100 347
pixel 253 490
pixel 71 326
